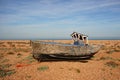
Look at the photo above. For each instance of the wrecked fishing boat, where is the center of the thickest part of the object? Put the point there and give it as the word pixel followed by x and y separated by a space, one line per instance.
pixel 80 49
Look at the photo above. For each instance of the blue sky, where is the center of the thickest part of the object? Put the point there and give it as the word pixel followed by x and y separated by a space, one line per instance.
pixel 57 19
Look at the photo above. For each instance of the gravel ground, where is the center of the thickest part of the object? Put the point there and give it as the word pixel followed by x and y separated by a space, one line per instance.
pixel 17 63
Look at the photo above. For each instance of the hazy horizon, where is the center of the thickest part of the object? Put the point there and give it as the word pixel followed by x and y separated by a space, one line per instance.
pixel 57 19
pixel 92 38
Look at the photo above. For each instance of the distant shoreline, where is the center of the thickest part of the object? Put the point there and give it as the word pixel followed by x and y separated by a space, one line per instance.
pixel 91 38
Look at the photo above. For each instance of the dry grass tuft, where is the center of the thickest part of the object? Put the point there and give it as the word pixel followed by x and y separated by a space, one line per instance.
pixel 3 66
pixel 105 58
pixel 22 49
pixel 2 45
pixel 112 51
pixel 1 42
pixel 19 55
pixel 111 64
pixel 113 48
pixel 29 59
pixel 4 71
pixel 77 70
pixel 43 68
pixel 10 53
pixel 5 60
pixel 1 55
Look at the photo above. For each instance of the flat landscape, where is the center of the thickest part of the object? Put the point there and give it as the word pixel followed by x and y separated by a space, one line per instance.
pixel 17 63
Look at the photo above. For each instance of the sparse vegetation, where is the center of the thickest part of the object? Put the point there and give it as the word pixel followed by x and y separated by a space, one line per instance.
pixel 111 64
pixel 28 76
pixel 22 61
pixel 111 73
pixel 113 48
pixel 26 50
pixel 21 45
pixel 4 71
pixel 61 68
pixel 21 42
pixel 1 55
pixel 43 68
pixel 13 45
pixel 5 60
pixel 116 50
pixel 29 59
pixel 110 51
pixel 3 66
pixel 9 42
pixel 22 49
pixel 1 42
pixel 103 47
pixel 19 55
pixel 77 70
pixel 3 45
pixel 10 53
pixel 103 69
pixel 118 59
pixel 70 69
pixel 6 49
pixel 105 58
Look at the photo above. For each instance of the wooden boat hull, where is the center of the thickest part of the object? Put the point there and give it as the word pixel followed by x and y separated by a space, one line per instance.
pixel 62 51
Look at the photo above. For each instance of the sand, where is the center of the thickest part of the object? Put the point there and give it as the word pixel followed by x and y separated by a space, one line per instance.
pixel 17 63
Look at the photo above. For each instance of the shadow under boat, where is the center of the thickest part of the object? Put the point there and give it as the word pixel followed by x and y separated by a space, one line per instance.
pixel 62 57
